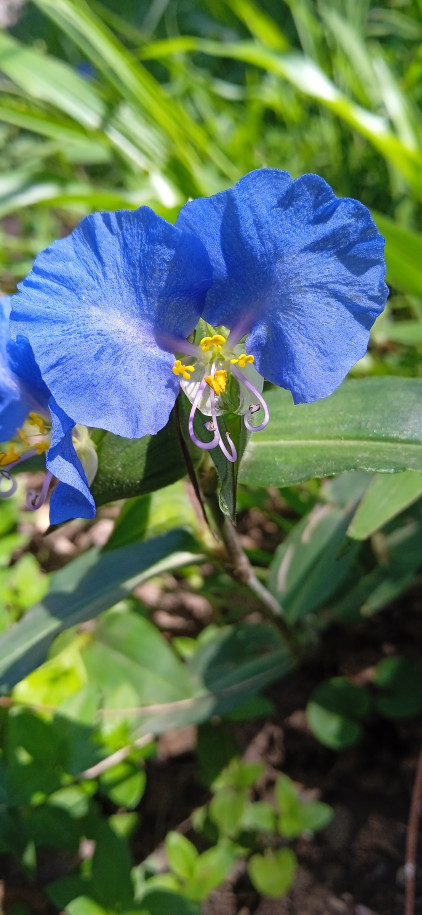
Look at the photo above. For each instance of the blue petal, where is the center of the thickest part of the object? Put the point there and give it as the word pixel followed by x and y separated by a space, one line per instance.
pixel 71 498
pixel 15 400
pixel 96 306
pixel 299 269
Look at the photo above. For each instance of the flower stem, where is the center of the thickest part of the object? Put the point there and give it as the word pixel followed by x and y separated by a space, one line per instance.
pixel 241 570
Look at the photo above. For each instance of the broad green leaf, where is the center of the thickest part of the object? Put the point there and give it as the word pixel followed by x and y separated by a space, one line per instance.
pixel 403 254
pixel 335 711
pixel 130 661
pixel 307 568
pixel 144 681
pixel 402 557
pixel 111 869
pixel 385 498
pixel 133 467
pixel 372 424
pixel 79 592
pixel 272 874
pixel 153 514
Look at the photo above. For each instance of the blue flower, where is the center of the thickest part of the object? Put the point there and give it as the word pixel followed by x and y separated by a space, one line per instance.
pixel 30 415
pixel 286 278
pixel 299 273
pixel 297 270
pixel 98 309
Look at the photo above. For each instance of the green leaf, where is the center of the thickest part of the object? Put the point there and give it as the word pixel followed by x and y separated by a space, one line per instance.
pixel 135 83
pixel 299 816
pixel 211 869
pixel 132 663
pixel 83 905
pixel 238 662
pixel 181 854
pixel 403 254
pixel 307 568
pixel 399 687
pixel 385 498
pixel 372 424
pixel 160 901
pixel 226 809
pixel 272 874
pixel 132 467
pixel 83 589
pixel 335 711
pixel 124 784
pixel 111 869
pixel 258 817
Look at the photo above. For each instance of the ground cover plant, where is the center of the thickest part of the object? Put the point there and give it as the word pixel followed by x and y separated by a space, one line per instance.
pixel 211 538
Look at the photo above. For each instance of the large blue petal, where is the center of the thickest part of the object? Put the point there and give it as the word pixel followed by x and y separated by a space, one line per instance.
pixel 95 307
pixel 71 498
pixel 16 398
pixel 298 268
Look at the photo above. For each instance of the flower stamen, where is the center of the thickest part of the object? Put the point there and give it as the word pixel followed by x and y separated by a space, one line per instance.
pixel 217 381
pixel 216 341
pixel 183 370
pixel 242 359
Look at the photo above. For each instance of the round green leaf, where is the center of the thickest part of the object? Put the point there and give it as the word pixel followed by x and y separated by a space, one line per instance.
pixel 399 681
pixel 334 712
pixel 273 873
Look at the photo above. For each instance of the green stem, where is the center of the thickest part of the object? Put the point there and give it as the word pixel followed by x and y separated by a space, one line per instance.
pixel 239 567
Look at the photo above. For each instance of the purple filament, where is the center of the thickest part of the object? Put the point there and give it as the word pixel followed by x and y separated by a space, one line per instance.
pixel 206 446
pixel 34 499
pixel 241 378
pixel 4 475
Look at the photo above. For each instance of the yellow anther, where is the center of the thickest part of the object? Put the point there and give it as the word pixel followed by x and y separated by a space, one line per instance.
pixel 9 456
pixel 242 360
pixel 36 420
pixel 24 438
pixel 183 370
pixel 217 381
pixel 40 447
pixel 207 342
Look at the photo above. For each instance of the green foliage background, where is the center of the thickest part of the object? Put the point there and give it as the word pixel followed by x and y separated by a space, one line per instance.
pixel 109 105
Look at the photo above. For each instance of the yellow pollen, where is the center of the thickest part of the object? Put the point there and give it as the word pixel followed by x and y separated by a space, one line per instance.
pixel 242 360
pixel 36 420
pixel 218 381
pixel 183 370
pixel 207 342
pixel 9 456
pixel 40 447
